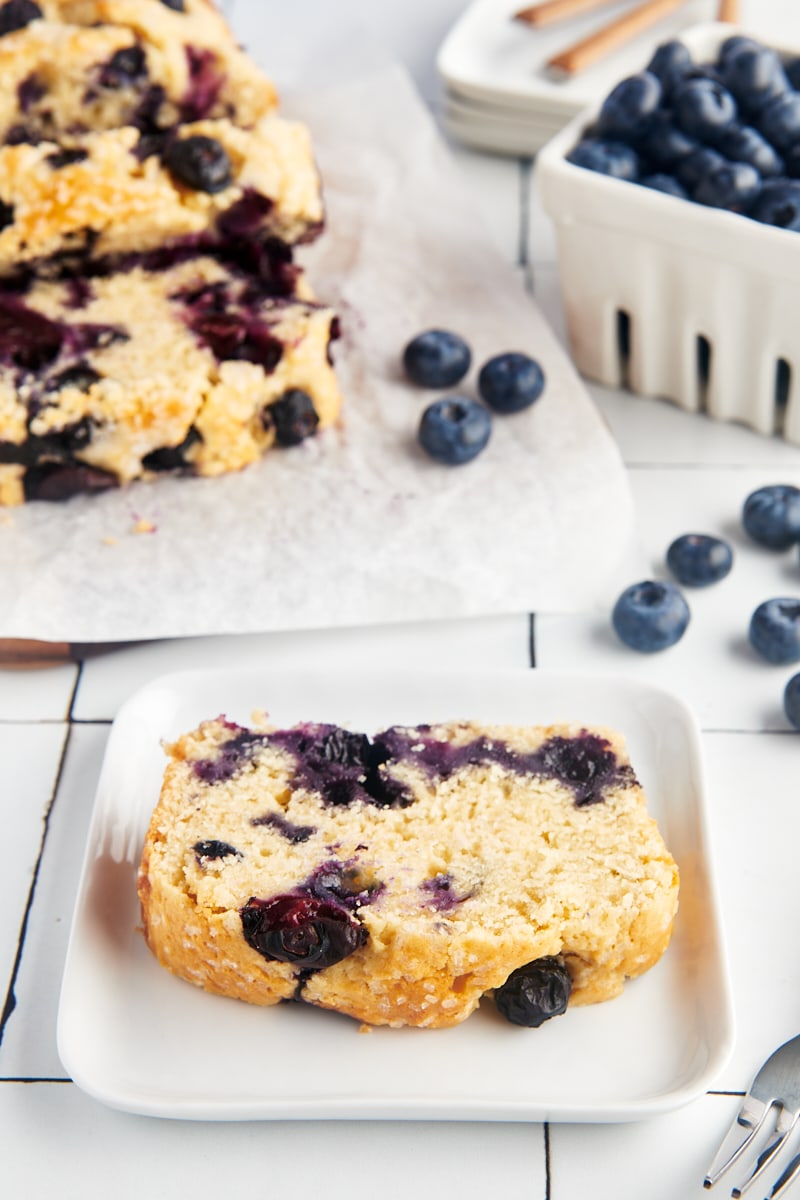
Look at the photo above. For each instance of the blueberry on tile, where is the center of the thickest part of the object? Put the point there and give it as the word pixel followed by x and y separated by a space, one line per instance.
pixel 780 120
pixel 607 157
pixel 771 515
pixel 703 108
pixel 732 186
pixel 511 382
pixel 754 76
pixel 301 929
pixel 775 630
pixel 202 163
pixel 454 430
pixel 650 616
pixel 16 14
pixel 699 559
pixel 628 108
pixel 536 992
pixel 791 701
pixel 670 63
pixel 437 359
pixel 779 204
pixel 294 417
pixel 668 184
pixel 743 143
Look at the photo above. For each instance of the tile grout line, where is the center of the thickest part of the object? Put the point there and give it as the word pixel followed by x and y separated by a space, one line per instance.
pixel 548 1195
pixel 10 1003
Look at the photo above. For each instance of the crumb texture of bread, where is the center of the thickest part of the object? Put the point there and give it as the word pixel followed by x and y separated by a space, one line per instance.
pixel 413 870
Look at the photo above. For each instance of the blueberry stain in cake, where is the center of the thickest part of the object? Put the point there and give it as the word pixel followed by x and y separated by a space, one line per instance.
pixel 16 14
pixel 440 894
pixel 212 850
pixel 231 757
pixel 66 157
pixel 301 929
pixel 172 458
pixel 30 92
pixel 54 482
pixel 6 215
pixel 205 84
pixel 340 766
pixel 175 5
pixel 199 162
pixel 293 833
pixel 246 215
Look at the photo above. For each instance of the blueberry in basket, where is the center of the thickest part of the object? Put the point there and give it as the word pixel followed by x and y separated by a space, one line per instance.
pixel 699 559
pixel 771 515
pixel 437 359
pixel 511 382
pixel 650 616
pixel 723 133
pixel 454 430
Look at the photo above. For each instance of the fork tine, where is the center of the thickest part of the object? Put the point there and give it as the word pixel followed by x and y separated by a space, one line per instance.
pixel 785 1124
pixel 751 1117
pixel 782 1182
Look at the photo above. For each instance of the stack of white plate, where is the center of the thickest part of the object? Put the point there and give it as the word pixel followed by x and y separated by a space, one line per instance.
pixel 498 94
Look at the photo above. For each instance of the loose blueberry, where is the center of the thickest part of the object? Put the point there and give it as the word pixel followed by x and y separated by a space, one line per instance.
pixel 301 929
pixel 627 110
pixel 703 108
pixel 791 701
pixel 771 516
pixel 650 616
pixel 454 430
pixel 780 120
pixel 536 992
pixel 16 14
pixel 668 184
pixel 202 163
pixel 670 63
pixel 294 417
pixel 733 45
pixel 698 559
pixel 779 204
pixel 511 382
pixel 607 157
pixel 437 359
pixel 775 630
pixel 733 186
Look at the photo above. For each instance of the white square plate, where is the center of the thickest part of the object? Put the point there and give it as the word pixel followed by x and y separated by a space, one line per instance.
pixel 135 1037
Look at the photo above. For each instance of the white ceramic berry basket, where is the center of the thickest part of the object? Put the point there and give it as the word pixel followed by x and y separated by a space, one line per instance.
pixel 672 299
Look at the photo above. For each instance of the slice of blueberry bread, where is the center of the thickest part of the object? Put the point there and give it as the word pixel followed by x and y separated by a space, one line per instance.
pixel 115 193
pixel 399 878
pixel 72 67
pixel 195 366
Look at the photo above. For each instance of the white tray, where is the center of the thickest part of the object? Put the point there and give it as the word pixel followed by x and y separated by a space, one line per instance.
pixel 685 275
pixel 136 1038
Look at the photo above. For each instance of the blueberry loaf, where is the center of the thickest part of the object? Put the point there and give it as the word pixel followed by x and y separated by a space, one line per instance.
pixel 401 877
pixel 195 366
pixel 71 67
pixel 108 196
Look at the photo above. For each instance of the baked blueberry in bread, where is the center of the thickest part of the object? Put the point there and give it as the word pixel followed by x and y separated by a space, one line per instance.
pixel 400 878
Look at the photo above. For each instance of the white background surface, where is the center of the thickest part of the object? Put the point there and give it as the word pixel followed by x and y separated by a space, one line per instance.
pixel 687 473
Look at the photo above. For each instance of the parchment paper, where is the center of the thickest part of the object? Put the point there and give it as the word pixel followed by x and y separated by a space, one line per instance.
pixel 356 526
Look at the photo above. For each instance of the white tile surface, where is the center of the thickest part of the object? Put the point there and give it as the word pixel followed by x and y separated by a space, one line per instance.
pixel 24 800
pixel 37 695
pixel 495 641
pixel 93 1152
pixel 29 1045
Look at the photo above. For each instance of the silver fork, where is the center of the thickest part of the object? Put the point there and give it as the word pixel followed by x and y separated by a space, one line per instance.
pixel 776 1090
